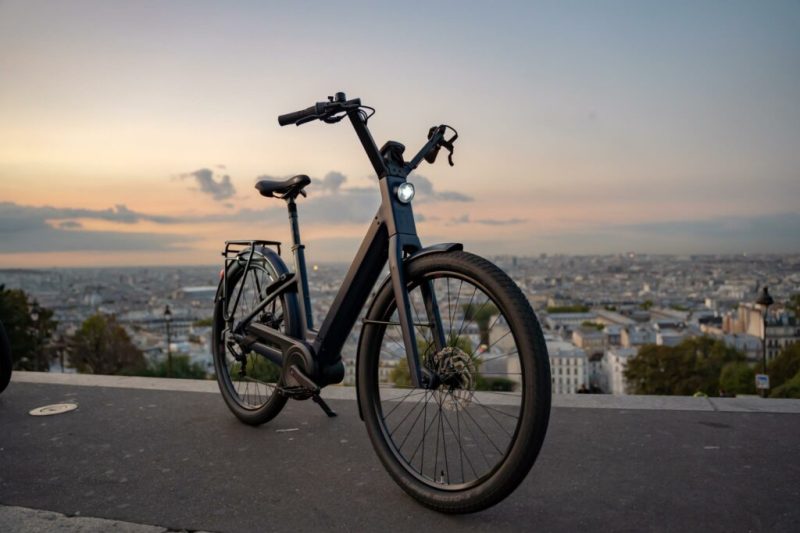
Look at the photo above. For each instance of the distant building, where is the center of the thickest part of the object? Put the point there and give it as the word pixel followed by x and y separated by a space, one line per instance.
pixel 613 318
pixel 591 340
pixel 206 293
pixel 670 337
pixel 567 321
pixel 616 360
pixel 613 334
pixel 568 366
pixel 636 336
pixel 749 344
pixel 782 330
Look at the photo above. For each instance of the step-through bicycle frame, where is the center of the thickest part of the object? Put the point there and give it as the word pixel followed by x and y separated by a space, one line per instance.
pixel 392 236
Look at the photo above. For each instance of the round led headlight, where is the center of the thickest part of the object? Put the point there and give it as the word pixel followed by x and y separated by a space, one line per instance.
pixel 405 192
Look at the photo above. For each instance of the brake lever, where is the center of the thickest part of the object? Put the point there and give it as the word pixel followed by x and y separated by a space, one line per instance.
pixel 449 145
pixel 430 157
pixel 333 119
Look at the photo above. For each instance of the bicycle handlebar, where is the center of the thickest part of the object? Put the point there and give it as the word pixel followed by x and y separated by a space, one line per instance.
pixel 293 118
pixel 320 110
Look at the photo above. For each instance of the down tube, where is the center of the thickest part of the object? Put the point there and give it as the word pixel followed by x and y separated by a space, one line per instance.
pixel 353 294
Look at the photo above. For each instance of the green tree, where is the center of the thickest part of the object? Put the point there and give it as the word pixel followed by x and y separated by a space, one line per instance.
pixel 785 366
pixel 789 389
pixel 29 326
pixel 692 366
pixel 102 346
pixel 737 378
pixel 646 305
pixel 182 368
pixel 401 376
pixel 794 304
pixel 481 314
pixel 259 368
pixel 595 325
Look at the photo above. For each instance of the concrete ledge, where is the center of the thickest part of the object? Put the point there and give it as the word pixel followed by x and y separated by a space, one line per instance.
pixel 752 404
pixel 34 521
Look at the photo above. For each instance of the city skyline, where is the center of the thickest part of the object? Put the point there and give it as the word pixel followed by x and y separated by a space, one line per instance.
pixel 133 134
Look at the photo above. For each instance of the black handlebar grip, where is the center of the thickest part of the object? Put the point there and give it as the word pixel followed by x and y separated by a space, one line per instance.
pixel 293 118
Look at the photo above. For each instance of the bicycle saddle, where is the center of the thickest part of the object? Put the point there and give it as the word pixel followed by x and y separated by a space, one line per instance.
pixel 283 189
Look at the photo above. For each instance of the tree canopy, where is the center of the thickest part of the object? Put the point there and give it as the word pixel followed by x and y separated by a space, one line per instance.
pixel 184 368
pixel 102 346
pixel 29 326
pixel 785 366
pixel 737 377
pixel 692 366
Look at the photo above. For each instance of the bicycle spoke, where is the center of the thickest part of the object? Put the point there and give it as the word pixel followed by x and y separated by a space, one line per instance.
pixel 491 416
pixel 461 436
pixel 461 327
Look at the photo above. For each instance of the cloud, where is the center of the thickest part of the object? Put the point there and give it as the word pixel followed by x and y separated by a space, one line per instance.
pixel 70 224
pixel 332 181
pixel 773 233
pixel 425 191
pixel 27 229
pixel 14 217
pixel 204 178
pixel 501 221
pixel 30 229
pixel 465 219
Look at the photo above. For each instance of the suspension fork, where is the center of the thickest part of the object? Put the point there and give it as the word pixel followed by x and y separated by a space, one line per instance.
pixel 400 289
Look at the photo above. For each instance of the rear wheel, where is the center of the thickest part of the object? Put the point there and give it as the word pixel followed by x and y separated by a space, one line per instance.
pixel 250 382
pixel 467 443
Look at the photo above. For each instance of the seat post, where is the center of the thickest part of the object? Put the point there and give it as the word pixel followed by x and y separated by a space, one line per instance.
pixel 298 249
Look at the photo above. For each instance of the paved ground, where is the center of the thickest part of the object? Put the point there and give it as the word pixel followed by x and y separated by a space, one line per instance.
pixel 179 460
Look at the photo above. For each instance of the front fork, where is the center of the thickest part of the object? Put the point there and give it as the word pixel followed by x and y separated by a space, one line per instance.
pixel 421 376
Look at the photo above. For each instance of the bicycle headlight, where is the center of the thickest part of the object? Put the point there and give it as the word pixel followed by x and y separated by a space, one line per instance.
pixel 405 192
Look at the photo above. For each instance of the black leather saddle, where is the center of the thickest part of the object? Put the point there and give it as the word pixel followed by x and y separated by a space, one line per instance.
pixel 283 189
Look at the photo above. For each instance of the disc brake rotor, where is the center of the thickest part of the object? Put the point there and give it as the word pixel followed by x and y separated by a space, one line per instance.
pixel 457 374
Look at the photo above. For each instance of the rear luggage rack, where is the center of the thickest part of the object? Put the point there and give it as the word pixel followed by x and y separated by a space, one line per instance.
pixel 232 253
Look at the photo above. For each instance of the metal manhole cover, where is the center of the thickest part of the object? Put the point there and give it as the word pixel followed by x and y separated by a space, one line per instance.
pixel 55 409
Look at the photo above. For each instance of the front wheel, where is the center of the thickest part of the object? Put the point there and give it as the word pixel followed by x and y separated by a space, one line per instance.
pixel 467 443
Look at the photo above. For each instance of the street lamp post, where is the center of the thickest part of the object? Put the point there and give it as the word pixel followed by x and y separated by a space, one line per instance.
pixel 168 320
pixel 765 300
pixel 35 316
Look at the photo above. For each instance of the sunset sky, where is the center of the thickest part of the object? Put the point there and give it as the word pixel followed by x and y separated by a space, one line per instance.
pixel 131 133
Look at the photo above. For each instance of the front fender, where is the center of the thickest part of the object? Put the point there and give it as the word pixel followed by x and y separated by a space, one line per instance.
pixel 439 248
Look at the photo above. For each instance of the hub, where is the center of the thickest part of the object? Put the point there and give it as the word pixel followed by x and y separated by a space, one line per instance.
pixel 456 374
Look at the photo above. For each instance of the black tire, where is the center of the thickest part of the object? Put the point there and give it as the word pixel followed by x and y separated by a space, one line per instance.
pixel 497 425
pixel 253 396
pixel 5 359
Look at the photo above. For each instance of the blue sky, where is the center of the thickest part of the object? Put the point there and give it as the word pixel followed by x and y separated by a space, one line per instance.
pixel 584 127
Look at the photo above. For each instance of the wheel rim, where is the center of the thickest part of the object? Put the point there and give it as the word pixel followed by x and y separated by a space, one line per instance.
pixel 250 379
pixel 460 434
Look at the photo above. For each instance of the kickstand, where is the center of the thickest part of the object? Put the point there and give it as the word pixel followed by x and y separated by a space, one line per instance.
pixel 324 406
